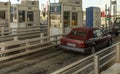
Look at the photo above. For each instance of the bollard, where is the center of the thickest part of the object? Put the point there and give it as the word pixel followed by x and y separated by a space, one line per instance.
pixel 96 64
pixel 118 53
pixel 41 36
pixel 27 44
pixel 3 30
pixel 3 49
pixel 56 42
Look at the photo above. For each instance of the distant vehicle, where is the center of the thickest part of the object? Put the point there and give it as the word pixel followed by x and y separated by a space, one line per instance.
pixel 85 40
pixel 116 26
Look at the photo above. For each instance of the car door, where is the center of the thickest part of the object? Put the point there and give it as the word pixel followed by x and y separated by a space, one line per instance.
pixel 98 35
pixel 106 38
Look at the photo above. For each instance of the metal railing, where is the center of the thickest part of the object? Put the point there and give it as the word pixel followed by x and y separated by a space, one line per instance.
pixel 20 33
pixel 94 63
pixel 13 49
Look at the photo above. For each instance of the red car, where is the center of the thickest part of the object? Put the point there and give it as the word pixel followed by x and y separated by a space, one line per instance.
pixel 85 40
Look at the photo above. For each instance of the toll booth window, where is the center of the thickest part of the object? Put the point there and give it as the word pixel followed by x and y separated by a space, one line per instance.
pixel 15 16
pixel 66 19
pixel 21 16
pixel 74 19
pixel 11 16
pixel 30 16
pixel 2 14
pixel 33 3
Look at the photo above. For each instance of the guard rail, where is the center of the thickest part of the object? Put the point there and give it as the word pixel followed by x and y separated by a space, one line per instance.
pixel 13 49
pixel 21 33
pixel 94 63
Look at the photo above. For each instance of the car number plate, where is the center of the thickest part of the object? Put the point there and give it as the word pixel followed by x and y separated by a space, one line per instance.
pixel 70 44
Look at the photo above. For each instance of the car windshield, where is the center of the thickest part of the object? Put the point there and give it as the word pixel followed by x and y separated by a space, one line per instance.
pixel 78 33
pixel 116 27
pixel 117 21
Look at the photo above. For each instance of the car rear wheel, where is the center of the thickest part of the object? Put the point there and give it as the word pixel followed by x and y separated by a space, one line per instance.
pixel 92 50
pixel 116 33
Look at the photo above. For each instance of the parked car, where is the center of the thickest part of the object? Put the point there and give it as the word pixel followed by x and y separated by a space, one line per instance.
pixel 85 40
pixel 116 26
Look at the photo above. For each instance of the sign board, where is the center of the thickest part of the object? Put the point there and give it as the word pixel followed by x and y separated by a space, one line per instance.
pixel 55 8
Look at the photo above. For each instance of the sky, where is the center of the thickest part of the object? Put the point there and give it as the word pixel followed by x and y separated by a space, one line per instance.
pixel 86 3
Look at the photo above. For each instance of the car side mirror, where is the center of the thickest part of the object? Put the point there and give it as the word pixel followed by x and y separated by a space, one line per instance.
pixel 105 34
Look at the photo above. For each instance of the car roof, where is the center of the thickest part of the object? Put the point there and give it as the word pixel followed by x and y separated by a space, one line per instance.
pixel 87 30
pixel 84 29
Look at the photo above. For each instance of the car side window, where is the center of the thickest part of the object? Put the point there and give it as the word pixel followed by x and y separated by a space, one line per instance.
pixel 98 33
pixel 94 33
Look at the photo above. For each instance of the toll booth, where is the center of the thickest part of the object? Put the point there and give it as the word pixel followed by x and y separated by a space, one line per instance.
pixel 26 14
pixel 65 15
pixel 93 17
pixel 4 14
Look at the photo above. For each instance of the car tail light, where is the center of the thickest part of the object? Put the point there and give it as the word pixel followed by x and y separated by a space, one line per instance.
pixel 61 42
pixel 81 44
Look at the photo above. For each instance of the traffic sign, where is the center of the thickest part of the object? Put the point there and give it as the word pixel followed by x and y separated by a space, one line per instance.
pixel 55 8
pixel 108 19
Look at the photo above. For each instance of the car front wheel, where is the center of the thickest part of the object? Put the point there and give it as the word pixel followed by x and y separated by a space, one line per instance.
pixel 93 50
pixel 109 43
